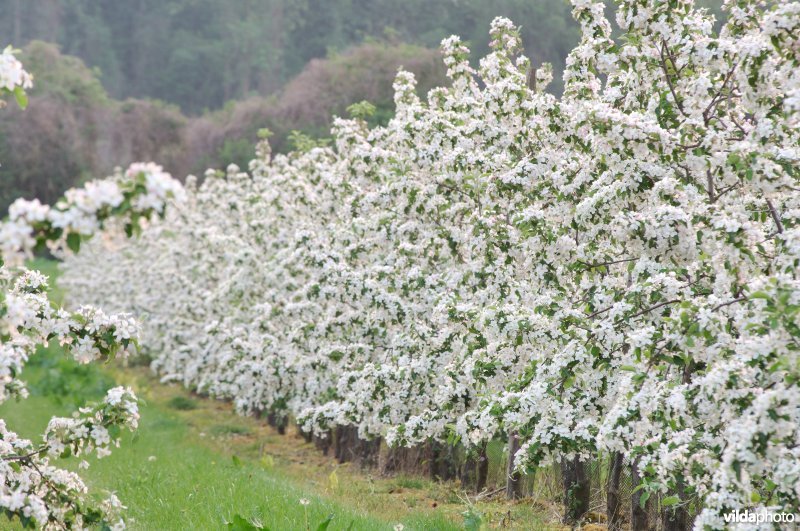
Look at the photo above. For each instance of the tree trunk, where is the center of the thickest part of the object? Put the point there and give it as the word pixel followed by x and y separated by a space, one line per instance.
pixel 391 460
pixel 469 471
pixel 278 421
pixel 513 478
pixel 675 517
pixel 368 451
pixel 448 468
pixel 306 435
pixel 576 489
pixel 350 444
pixel 431 452
pixel 341 442
pixel 613 502
pixel 639 516
pixel 323 444
pixel 483 469
pixel 475 469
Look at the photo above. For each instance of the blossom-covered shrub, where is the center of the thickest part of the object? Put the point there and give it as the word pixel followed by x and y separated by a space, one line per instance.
pixel 143 189
pixel 613 270
pixel 32 489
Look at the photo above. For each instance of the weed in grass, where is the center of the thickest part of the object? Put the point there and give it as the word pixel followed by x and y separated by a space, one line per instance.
pixel 182 403
pixel 472 519
pixel 410 483
pixel 221 430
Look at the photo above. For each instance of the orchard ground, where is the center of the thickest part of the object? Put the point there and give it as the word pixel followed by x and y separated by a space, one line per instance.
pixel 195 464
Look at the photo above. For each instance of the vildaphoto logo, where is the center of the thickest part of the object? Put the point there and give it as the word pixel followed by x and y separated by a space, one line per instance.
pixel 763 516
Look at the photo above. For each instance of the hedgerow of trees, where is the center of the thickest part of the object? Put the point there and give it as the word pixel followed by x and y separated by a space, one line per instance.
pixel 611 273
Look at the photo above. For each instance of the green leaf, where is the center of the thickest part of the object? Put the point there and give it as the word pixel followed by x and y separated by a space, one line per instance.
pixel 267 462
pixel 670 500
pixel 362 109
pixel 643 498
pixel 325 523
pixel 239 523
pixel 21 97
pixel 74 242
pixel 236 460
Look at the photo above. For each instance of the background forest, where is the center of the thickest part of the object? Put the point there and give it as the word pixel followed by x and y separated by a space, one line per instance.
pixel 189 83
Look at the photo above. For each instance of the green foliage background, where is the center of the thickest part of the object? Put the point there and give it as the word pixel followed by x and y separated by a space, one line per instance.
pixel 201 53
pixel 189 83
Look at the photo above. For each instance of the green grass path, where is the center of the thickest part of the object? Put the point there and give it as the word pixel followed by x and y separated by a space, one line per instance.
pixel 169 482
pixel 188 469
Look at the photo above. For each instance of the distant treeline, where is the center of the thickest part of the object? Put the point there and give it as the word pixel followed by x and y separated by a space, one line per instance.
pixel 199 54
pixel 73 130
pixel 189 83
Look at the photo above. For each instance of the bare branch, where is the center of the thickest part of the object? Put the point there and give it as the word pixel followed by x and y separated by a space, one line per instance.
pixel 657 306
pixel 669 78
pixel 775 216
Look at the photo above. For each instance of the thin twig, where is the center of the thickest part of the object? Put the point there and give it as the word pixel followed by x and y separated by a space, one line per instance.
pixel 734 301
pixel 21 457
pixel 657 306
pixel 775 217
pixel 668 78
pixel 602 264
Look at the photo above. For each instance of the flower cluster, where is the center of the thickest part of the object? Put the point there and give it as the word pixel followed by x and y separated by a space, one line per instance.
pixel 613 270
pixel 13 78
pixel 29 319
pixel 127 198
pixel 50 497
pixel 93 428
pixel 31 488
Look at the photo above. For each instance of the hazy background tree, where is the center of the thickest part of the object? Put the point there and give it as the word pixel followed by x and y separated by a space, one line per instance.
pixel 199 54
pixel 189 83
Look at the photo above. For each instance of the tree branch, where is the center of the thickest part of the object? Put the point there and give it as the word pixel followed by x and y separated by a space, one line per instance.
pixel 657 306
pixel 775 217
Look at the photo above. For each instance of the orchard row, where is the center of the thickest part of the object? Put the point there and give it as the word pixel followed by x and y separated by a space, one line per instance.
pixel 613 271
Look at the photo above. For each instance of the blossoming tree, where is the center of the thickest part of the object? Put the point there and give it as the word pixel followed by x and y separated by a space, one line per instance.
pixel 33 489
pixel 609 272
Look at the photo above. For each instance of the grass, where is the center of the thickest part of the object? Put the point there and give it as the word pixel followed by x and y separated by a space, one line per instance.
pixel 169 480
pixel 182 403
pixel 194 464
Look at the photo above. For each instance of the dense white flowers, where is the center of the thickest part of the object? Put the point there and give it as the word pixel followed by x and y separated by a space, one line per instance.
pixel 53 498
pixel 614 270
pixel 31 488
pixel 13 77
pixel 126 198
